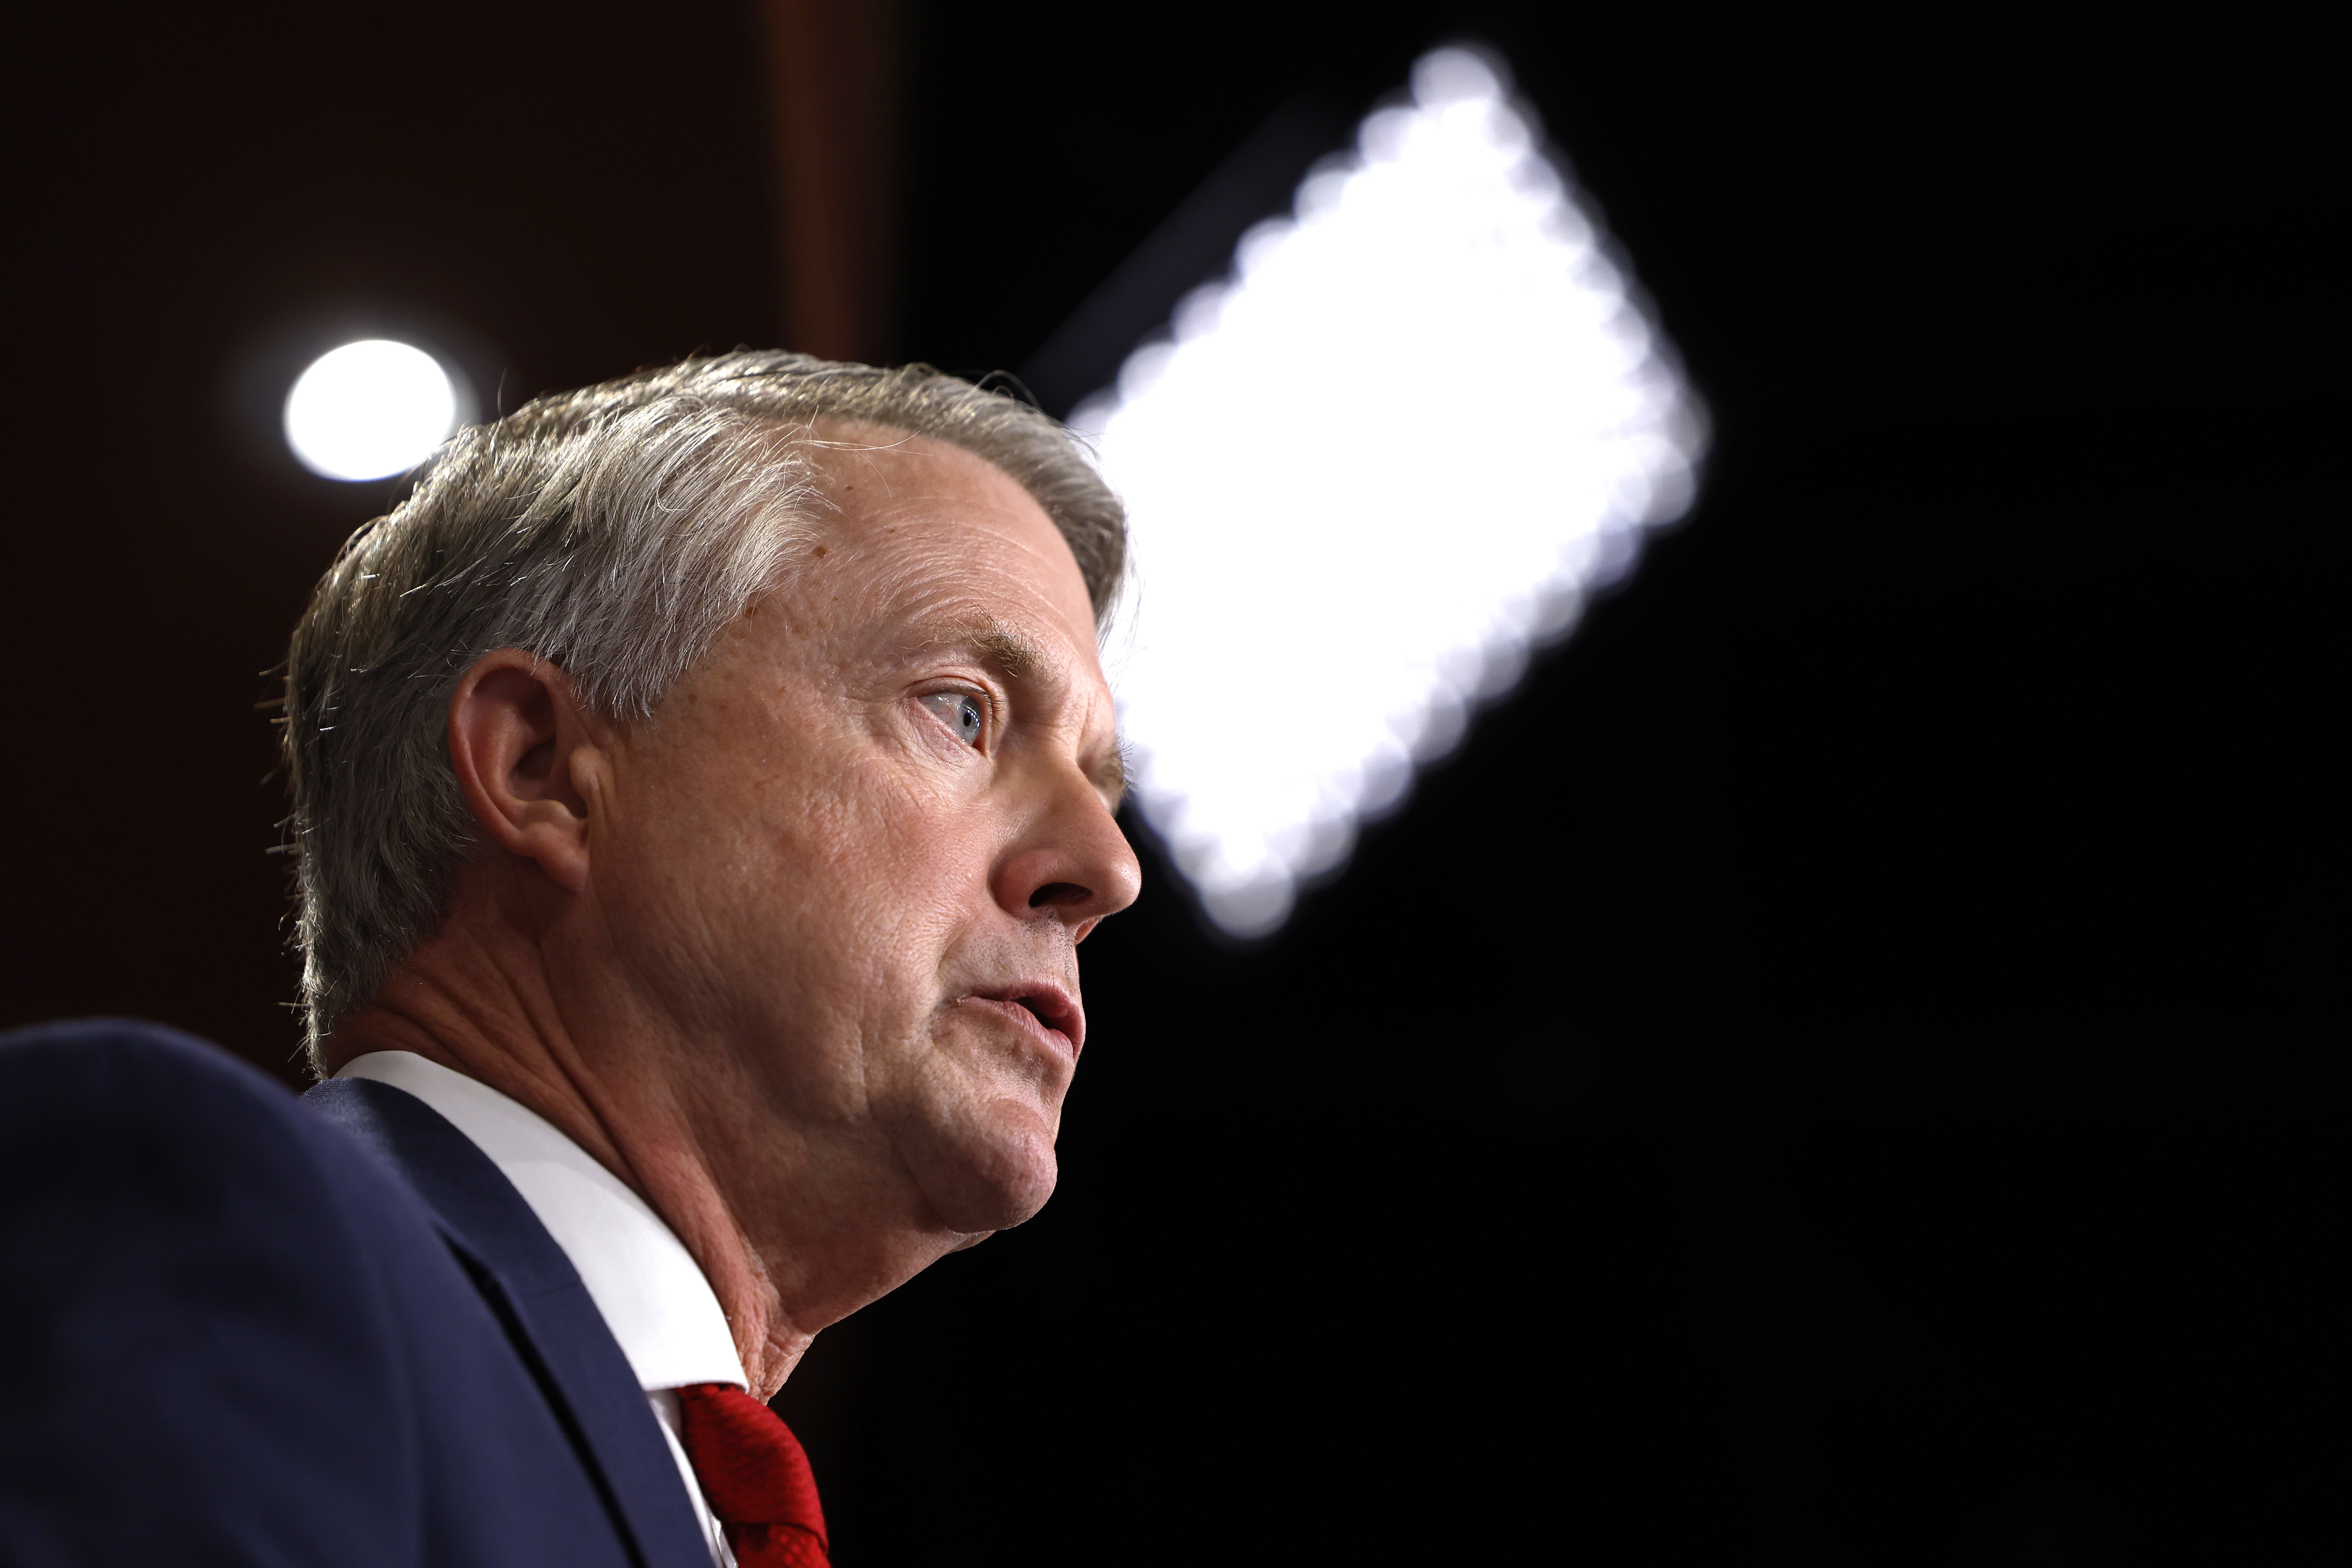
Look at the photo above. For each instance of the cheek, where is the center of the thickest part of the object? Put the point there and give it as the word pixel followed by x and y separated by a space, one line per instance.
pixel 894 842
pixel 819 887
pixel 849 896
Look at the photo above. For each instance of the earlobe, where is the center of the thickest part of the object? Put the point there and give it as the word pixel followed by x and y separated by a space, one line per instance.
pixel 518 742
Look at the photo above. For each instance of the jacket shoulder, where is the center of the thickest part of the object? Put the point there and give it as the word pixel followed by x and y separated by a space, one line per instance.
pixel 235 1336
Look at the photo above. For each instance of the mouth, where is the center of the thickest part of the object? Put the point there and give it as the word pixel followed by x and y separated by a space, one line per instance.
pixel 1045 1011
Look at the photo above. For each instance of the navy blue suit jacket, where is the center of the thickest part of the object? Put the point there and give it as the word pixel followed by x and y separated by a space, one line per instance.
pixel 238 1329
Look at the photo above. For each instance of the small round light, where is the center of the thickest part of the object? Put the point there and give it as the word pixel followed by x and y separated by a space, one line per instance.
pixel 369 410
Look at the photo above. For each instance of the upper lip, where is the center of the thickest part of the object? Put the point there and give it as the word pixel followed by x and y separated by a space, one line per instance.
pixel 1053 1006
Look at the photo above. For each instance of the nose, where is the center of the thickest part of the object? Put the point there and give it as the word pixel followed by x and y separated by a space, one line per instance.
pixel 1071 863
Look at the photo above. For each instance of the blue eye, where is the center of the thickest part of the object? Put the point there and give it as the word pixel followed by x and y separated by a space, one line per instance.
pixel 961 712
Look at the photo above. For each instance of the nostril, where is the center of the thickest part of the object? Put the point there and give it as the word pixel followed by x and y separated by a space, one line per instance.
pixel 1058 893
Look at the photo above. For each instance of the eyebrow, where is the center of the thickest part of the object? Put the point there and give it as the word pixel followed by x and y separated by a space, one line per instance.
pixel 1013 655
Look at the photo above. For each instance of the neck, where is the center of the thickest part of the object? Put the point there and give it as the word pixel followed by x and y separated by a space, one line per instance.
pixel 476 997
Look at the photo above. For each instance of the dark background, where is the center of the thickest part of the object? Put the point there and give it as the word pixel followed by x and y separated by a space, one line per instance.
pixel 1819 1076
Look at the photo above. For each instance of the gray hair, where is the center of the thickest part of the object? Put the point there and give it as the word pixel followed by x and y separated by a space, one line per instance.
pixel 612 532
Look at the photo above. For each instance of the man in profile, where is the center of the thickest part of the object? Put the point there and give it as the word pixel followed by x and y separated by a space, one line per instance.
pixel 701 786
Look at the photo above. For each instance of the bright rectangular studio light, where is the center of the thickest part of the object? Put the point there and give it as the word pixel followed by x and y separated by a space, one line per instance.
pixel 1365 474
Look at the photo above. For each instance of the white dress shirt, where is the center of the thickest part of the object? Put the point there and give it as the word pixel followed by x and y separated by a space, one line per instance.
pixel 642 1279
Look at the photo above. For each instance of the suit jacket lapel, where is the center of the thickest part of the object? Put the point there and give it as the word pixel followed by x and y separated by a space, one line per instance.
pixel 536 1292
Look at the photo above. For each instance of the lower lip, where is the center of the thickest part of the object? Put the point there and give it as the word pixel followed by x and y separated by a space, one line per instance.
pixel 1032 1024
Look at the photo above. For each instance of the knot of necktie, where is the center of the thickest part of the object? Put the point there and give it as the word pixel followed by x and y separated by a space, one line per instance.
pixel 756 1476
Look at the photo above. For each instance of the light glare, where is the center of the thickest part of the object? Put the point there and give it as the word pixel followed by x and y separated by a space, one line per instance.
pixel 371 409
pixel 1418 424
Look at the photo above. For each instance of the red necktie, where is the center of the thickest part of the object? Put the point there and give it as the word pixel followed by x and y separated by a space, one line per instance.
pixel 756 1477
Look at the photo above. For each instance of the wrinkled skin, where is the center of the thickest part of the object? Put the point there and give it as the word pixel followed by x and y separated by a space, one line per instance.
pixel 798 958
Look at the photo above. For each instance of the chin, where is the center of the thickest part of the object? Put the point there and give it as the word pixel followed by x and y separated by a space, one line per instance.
pixel 987 1177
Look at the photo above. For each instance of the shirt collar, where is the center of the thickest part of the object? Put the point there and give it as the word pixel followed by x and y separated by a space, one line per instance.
pixel 653 1297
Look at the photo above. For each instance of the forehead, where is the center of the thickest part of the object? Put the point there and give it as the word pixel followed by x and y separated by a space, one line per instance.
pixel 916 526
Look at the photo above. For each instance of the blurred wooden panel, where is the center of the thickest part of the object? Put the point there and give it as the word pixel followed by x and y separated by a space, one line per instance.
pixel 834 72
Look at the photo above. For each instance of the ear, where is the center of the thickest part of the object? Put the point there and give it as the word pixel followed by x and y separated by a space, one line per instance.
pixel 529 761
